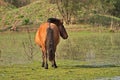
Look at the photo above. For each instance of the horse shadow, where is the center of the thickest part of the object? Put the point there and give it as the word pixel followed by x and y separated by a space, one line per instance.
pixel 89 66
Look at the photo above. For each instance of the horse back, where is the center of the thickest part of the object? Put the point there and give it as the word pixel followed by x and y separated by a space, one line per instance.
pixel 41 34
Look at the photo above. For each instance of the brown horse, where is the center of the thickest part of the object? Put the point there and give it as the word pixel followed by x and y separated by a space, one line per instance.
pixel 47 37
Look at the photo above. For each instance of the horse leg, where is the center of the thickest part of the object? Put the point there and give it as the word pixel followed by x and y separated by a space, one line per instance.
pixel 46 63
pixel 44 56
pixel 43 59
pixel 54 62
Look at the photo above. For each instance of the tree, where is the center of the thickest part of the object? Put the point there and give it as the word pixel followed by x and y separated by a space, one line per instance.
pixel 74 8
pixel 98 6
pixel 68 9
pixel 116 10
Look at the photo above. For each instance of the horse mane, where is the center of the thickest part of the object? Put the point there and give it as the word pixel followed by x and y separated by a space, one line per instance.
pixel 53 20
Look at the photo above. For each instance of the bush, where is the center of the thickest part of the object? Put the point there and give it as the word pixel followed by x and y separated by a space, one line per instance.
pixel 104 20
pixel 26 21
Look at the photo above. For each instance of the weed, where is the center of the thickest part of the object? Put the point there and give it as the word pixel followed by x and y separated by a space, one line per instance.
pixel 84 56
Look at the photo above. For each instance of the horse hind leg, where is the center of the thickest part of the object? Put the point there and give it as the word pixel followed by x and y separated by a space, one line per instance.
pixel 43 59
pixel 51 52
pixel 45 62
pixel 54 64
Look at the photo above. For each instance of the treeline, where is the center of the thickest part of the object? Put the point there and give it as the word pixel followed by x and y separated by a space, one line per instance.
pixel 72 7
pixel 98 12
pixel 79 8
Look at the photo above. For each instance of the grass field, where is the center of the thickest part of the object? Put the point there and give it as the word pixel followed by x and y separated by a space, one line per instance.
pixel 67 70
pixel 84 56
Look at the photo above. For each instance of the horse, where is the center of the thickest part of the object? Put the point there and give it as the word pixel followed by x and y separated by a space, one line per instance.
pixel 47 38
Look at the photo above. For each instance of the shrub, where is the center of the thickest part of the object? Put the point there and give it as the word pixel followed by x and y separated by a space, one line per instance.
pixel 26 21
pixel 104 20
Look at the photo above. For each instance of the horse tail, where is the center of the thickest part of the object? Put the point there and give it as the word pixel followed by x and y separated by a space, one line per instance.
pixel 50 43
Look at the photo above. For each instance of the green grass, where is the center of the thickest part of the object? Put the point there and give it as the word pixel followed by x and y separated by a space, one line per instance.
pixel 83 56
pixel 97 48
pixel 13 44
pixel 67 70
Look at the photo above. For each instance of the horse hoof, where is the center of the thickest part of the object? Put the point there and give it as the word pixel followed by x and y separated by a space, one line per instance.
pixel 46 67
pixel 42 66
pixel 54 66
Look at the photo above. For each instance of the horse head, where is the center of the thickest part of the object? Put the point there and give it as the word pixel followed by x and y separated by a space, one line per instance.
pixel 59 23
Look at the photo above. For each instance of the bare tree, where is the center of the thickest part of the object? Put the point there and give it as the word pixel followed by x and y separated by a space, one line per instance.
pixel 68 9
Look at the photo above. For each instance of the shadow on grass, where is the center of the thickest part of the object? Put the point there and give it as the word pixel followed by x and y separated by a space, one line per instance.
pixel 95 66
pixel 89 66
